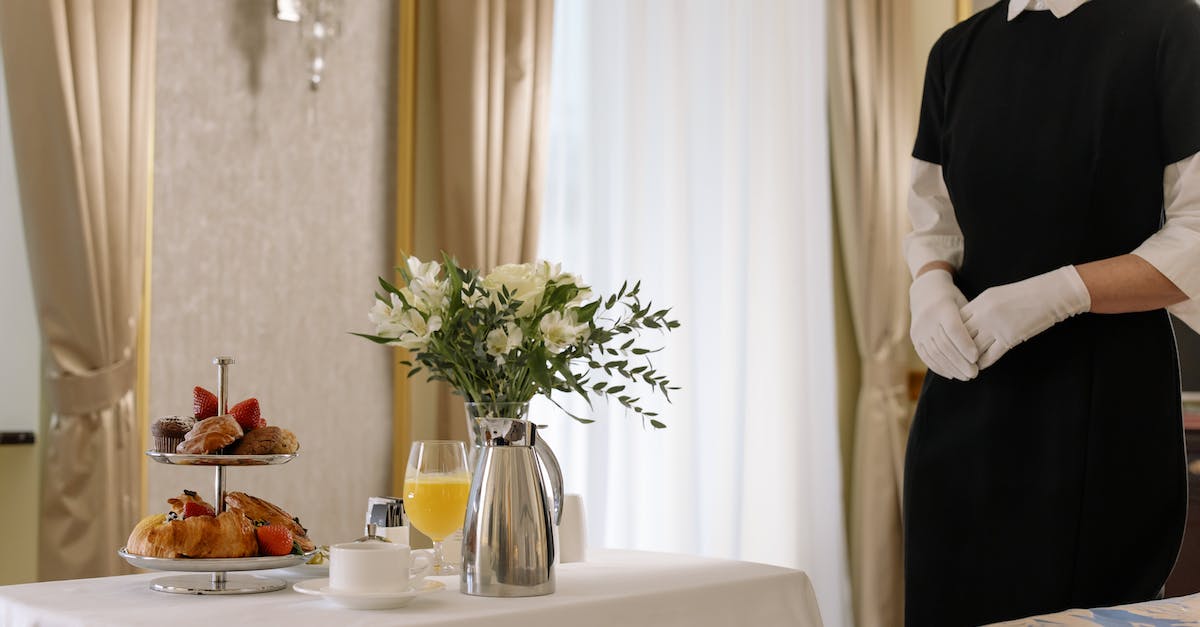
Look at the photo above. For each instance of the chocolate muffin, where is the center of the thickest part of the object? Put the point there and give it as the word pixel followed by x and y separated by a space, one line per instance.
pixel 169 431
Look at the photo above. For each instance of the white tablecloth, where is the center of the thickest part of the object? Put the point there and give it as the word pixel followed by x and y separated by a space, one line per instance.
pixel 611 589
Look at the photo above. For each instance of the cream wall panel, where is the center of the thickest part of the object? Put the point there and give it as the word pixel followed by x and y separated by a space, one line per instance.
pixel 19 525
pixel 273 213
pixel 19 363
pixel 19 384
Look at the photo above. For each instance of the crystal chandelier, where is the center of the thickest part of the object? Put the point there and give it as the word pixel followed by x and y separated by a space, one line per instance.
pixel 319 25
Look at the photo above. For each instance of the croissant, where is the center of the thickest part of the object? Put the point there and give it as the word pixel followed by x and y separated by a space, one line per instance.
pixel 259 510
pixel 229 534
pixel 210 436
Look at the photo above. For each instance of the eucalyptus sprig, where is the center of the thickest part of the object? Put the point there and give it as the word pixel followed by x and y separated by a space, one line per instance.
pixel 523 330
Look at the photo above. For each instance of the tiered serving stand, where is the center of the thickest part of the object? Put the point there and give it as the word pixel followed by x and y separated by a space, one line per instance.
pixel 212 576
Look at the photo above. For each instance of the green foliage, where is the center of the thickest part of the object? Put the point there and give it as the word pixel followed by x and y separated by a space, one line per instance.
pixel 477 334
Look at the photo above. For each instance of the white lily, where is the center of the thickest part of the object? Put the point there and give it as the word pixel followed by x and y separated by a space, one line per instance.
pixel 559 332
pixel 501 342
pixel 416 329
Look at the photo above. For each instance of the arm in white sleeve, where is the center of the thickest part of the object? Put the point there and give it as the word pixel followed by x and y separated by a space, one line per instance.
pixel 1175 249
pixel 935 235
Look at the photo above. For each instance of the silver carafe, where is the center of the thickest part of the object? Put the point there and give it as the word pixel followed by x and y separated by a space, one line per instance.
pixel 508 539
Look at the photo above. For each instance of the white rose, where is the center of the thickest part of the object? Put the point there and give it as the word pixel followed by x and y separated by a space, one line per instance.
pixel 560 332
pixel 524 282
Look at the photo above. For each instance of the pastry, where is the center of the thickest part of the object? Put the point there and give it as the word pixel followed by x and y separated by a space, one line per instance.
pixel 178 503
pixel 169 431
pixel 267 441
pixel 210 436
pixel 229 534
pixel 261 511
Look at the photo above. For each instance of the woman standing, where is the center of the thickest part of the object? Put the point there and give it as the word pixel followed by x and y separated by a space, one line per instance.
pixel 1045 468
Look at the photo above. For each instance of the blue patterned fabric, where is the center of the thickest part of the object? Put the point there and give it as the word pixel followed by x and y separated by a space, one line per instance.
pixel 1177 612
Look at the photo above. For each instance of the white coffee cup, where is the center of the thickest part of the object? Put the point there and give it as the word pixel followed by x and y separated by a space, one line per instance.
pixel 376 567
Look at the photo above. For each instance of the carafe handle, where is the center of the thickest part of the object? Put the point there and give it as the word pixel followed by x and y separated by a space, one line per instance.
pixel 550 461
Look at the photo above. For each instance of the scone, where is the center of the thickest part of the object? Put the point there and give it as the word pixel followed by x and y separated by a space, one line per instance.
pixel 267 441
pixel 210 436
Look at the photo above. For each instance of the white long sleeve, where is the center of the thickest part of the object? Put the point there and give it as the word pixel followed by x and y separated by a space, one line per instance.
pixel 935 235
pixel 1174 250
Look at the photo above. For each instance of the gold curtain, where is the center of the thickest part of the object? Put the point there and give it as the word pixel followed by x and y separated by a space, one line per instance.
pixel 872 125
pixel 406 145
pixel 494 81
pixel 491 61
pixel 81 84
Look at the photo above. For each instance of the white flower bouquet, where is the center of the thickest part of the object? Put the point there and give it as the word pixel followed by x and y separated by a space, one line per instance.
pixel 522 330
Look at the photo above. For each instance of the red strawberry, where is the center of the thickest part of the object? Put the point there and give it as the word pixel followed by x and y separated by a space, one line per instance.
pixel 192 508
pixel 204 403
pixel 274 540
pixel 247 414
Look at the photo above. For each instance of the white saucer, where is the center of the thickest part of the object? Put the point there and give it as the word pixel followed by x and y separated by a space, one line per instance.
pixel 366 600
pixel 305 571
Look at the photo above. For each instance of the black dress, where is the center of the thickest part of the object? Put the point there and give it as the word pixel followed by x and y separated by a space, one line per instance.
pixel 1056 478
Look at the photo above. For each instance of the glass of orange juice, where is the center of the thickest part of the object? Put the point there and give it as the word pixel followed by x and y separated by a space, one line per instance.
pixel 436 486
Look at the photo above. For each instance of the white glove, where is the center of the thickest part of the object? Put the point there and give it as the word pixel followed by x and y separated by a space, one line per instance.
pixel 937 332
pixel 1004 316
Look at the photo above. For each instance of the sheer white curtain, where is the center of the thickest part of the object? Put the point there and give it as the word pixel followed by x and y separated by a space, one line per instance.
pixel 688 148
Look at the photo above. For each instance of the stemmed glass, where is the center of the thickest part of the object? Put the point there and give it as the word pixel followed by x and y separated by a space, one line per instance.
pixel 436 487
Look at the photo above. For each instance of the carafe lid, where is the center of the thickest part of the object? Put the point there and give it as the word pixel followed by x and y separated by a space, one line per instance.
pixel 507 432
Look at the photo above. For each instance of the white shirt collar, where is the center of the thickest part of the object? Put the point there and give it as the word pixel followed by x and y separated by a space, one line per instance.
pixel 1059 8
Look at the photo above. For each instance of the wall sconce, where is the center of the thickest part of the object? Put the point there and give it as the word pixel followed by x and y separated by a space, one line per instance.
pixel 319 25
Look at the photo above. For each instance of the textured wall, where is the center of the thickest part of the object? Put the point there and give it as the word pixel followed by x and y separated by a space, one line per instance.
pixel 272 216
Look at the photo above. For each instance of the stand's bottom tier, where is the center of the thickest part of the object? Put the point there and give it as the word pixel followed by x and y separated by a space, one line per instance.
pixel 216 583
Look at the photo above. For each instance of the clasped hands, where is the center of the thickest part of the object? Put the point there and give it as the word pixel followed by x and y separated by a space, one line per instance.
pixel 957 339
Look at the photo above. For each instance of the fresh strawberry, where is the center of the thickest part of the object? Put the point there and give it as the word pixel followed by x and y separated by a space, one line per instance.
pixel 247 414
pixel 274 540
pixel 192 508
pixel 204 403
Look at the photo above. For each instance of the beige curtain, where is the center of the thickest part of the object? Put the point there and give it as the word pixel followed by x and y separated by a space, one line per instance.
pixel 492 77
pixel 80 83
pixel 872 125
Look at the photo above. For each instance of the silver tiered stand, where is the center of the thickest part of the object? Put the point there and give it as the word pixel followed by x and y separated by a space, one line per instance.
pixel 212 576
